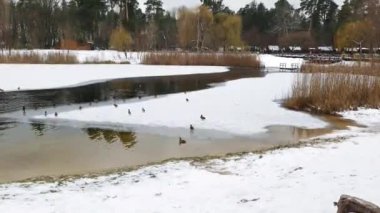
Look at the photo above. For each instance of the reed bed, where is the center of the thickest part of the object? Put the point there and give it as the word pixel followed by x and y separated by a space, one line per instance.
pixel 364 68
pixel 328 93
pixel 35 58
pixel 205 59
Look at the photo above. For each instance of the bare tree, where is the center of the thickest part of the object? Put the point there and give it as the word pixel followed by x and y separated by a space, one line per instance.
pixel 4 22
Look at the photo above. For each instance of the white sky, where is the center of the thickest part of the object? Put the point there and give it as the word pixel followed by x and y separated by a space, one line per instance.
pixel 233 4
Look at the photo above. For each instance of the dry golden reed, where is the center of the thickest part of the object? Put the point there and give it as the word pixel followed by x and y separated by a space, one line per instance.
pixel 329 93
pixel 35 58
pixel 364 68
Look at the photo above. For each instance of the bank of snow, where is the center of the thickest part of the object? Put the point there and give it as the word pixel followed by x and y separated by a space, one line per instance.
pixel 242 107
pixel 28 77
pixel 272 61
pixel 368 117
pixel 305 179
pixel 83 56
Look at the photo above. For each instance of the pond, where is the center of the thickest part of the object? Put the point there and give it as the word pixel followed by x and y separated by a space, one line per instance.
pixel 30 149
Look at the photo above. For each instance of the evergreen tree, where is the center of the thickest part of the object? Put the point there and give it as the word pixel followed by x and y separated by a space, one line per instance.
pixel 286 18
pixel 154 10
pixel 217 6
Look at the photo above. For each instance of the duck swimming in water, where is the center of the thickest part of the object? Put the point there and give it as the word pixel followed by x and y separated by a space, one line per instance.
pixel 181 141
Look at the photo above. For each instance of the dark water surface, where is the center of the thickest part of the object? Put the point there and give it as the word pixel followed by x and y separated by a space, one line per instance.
pixel 119 89
pixel 29 150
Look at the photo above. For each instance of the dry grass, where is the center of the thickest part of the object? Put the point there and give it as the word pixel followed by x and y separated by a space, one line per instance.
pixel 35 58
pixel 60 58
pixel 329 93
pixel 99 61
pixel 205 59
pixel 365 68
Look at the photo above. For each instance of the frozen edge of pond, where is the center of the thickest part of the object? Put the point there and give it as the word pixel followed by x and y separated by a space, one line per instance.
pixel 241 107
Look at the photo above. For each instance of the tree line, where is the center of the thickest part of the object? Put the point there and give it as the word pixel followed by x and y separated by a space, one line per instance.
pixel 121 24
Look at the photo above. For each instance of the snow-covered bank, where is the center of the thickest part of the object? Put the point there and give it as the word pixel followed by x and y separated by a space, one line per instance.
pixel 368 117
pixel 307 179
pixel 271 61
pixel 243 107
pixel 28 77
pixel 83 56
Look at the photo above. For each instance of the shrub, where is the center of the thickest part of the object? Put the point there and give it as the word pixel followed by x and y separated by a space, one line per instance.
pixel 120 39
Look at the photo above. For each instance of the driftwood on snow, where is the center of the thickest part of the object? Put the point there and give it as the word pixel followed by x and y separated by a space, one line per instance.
pixel 349 204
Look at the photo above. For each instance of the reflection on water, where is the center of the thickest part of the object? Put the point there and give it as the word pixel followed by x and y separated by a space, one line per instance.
pixel 128 139
pixel 6 124
pixel 38 128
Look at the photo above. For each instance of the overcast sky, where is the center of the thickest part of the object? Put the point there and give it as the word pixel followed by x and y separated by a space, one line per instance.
pixel 233 4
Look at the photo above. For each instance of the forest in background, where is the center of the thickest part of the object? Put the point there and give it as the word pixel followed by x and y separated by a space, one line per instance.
pixel 121 24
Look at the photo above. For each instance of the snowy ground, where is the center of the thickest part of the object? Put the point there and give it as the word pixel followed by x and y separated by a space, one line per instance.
pixel 307 179
pixel 42 76
pixel 242 107
pixel 368 117
pixel 271 61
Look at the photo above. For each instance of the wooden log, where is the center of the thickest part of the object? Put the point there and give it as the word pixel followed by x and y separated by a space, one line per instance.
pixel 349 204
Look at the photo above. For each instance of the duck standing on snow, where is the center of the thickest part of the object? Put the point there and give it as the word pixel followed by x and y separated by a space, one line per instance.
pixel 203 117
